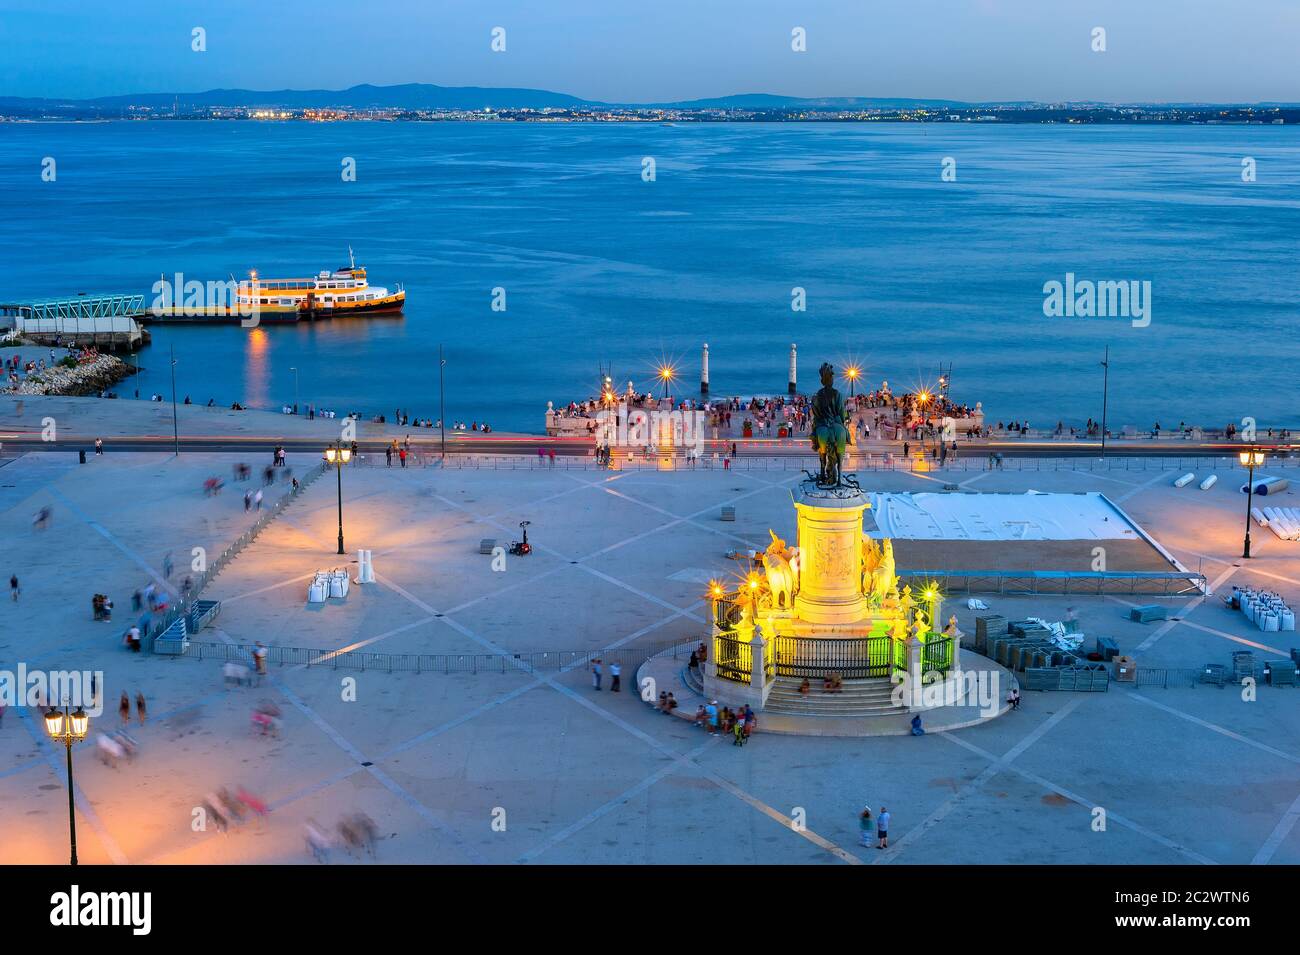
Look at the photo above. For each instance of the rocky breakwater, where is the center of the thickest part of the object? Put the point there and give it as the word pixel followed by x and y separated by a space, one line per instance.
pixel 88 378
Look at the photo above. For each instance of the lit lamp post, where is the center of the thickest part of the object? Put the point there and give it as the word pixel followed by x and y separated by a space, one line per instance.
pixel 923 399
pixel 666 376
pixel 1249 460
pixel 852 373
pixel 70 727
pixel 339 456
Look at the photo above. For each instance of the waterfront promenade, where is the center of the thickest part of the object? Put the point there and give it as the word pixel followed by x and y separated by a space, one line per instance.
pixel 128 424
pixel 1184 775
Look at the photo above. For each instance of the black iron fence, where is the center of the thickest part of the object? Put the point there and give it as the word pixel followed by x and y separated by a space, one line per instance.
pixel 937 654
pixel 735 658
pixel 856 658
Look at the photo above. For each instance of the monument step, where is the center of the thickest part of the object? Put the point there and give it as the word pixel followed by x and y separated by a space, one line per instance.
pixel 833 708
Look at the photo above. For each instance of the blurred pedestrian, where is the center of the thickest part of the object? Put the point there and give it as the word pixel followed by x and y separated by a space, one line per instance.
pixel 139 707
pixel 124 709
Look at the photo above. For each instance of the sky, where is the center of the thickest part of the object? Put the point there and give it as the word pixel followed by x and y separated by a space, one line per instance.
pixel 664 50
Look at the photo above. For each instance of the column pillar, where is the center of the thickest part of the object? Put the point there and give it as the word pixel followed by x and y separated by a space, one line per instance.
pixel 704 370
pixel 794 379
pixel 914 674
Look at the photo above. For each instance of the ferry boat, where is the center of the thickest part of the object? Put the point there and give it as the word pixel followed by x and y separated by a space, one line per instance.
pixel 345 291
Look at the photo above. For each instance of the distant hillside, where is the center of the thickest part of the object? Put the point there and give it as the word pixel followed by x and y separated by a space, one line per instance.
pixel 426 96
pixel 406 96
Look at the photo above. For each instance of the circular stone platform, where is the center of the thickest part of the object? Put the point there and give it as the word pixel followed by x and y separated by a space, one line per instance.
pixel 669 674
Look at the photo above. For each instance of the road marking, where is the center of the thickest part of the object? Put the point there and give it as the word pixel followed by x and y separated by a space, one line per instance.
pixel 1187 608
pixel 1221 730
pixel 1279 834
pixel 1090 804
pixel 1000 763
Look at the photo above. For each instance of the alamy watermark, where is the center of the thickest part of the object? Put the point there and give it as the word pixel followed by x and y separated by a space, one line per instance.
pixel 958 688
pixel 621 427
pixel 41 688
pixel 1084 298
pixel 194 298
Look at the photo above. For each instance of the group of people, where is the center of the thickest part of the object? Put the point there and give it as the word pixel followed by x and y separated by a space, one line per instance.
pixel 832 682
pixel 738 723
pixel 101 607
pixel 874 828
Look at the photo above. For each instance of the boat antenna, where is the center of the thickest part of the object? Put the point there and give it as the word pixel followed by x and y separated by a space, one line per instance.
pixel 351 261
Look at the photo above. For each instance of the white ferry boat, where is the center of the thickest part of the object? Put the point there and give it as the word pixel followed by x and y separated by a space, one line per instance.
pixel 345 291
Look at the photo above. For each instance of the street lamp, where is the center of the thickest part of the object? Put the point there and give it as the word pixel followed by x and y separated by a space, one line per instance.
pixel 666 376
pixel 1105 395
pixel 176 432
pixel 295 389
pixel 442 402
pixel 852 373
pixel 338 456
pixel 70 727
pixel 1249 460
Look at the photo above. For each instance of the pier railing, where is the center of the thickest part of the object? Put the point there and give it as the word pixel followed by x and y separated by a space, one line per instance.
pixel 183 607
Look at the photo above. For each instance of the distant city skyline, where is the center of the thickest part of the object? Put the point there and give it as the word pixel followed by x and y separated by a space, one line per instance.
pixel 969 50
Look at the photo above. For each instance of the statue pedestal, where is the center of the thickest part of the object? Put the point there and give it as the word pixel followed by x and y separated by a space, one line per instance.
pixel 830 547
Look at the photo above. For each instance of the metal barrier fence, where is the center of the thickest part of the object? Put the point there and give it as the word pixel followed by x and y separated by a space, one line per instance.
pixel 754 460
pixel 1084 583
pixel 183 607
pixel 530 661
pixel 1165 677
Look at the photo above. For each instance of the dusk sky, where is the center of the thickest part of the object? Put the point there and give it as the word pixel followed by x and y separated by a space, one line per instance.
pixel 660 50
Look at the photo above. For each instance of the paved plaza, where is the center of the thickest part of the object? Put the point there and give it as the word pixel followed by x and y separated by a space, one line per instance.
pixel 538 767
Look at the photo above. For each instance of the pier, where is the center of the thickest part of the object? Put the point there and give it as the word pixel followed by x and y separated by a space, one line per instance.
pixel 108 322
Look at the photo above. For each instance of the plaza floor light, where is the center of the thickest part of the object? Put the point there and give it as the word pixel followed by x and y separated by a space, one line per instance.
pixel 68 727
pixel 338 456
pixel 1249 460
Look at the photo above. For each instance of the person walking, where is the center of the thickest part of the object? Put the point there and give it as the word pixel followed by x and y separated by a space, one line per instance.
pixel 139 707
pixel 14 589
pixel 99 446
pixel 882 827
pixel 711 715
pixel 257 499
pixel 248 500
pixel 124 709
pixel 595 673
pixel 388 456
pixel 401 456
pixel 866 827
pixel 615 677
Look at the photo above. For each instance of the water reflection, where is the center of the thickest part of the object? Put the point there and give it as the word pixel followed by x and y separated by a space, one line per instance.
pixel 257 383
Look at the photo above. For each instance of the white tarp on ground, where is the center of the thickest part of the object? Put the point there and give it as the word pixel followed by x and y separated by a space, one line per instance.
pixel 994 517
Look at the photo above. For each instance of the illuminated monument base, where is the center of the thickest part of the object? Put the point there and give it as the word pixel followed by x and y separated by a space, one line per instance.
pixel 829 608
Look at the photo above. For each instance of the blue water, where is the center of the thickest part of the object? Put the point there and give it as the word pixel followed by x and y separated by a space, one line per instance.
pixel 903 272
